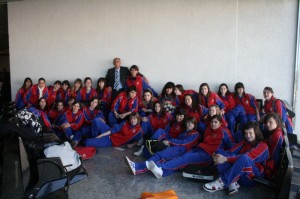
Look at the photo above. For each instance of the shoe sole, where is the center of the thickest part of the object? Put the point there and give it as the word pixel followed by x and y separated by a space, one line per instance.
pixel 128 165
pixel 197 176
pixel 211 190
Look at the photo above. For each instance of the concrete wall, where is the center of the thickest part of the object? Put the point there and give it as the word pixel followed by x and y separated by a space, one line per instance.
pixel 187 42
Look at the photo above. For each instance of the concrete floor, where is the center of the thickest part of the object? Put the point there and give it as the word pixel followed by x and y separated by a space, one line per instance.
pixel 109 178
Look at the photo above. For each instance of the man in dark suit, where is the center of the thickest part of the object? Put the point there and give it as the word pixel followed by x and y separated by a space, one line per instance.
pixel 116 77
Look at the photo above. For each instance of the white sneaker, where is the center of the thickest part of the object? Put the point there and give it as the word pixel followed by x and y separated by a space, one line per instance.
pixel 233 188
pixel 214 186
pixel 140 142
pixel 139 152
pixel 130 165
pixel 157 171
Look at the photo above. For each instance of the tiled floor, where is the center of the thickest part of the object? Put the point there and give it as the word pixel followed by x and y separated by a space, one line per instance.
pixel 109 178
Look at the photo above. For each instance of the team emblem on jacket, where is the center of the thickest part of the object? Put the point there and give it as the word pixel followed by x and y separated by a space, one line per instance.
pixel 247 102
pixel 133 130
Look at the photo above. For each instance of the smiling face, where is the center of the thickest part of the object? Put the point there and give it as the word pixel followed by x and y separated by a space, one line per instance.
pixel 133 120
pixel 65 87
pixel 28 83
pixel 169 90
pixel 215 123
pixel 133 72
pixel 101 84
pixel 190 125
pixel 132 94
pixel 271 124
pixel 42 83
pixel 240 91
pixel 177 91
pixel 88 83
pixel 179 118
pixel 212 111
pixel 250 135
pixel 188 100
pixel 94 104
pixel 147 96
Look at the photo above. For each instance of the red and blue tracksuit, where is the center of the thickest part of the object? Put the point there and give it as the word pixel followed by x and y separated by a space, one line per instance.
pixel 244 161
pixel 250 105
pixel 233 112
pixel 139 83
pixel 75 94
pixel 183 143
pixel 171 160
pixel 274 140
pixel 32 96
pixel 276 106
pixel 122 104
pixel 104 97
pixel 175 129
pixel 52 96
pixel 120 134
pixel 55 116
pixel 156 122
pixel 64 95
pixel 74 119
pixel 174 100
pixel 199 115
pixel 19 101
pixel 211 99
pixel 149 105
pixel 90 116
pixel 85 96
pixel 42 115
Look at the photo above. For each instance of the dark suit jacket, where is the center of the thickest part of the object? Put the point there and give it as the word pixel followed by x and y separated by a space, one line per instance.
pixel 110 76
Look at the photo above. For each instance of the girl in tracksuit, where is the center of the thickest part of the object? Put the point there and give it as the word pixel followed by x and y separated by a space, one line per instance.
pixel 233 112
pixel 41 111
pixel 168 161
pixel 19 101
pixel 193 109
pixel 183 143
pixel 104 96
pixel 64 92
pixel 56 113
pixel 274 138
pixel 208 98
pixel 159 119
pixel 123 105
pixel 118 135
pixel 181 93
pixel 277 106
pixel 87 92
pixel 146 105
pixel 248 101
pixel 53 95
pixel 241 163
pixel 71 122
pixel 91 114
pixel 75 90
pixel 169 98
pixel 136 80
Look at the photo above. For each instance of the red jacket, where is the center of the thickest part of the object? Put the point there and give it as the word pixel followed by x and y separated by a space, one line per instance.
pixel 123 104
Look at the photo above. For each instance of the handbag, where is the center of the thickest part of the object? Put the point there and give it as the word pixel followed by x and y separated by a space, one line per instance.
pixel 154 146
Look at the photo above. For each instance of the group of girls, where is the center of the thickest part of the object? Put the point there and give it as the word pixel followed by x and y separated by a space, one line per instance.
pixel 198 128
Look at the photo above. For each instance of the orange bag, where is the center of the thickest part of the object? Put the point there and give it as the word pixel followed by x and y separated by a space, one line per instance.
pixel 169 194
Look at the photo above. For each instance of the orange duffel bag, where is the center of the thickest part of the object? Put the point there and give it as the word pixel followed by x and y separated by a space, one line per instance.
pixel 169 194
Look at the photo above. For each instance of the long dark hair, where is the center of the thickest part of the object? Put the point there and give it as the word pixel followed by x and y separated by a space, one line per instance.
pixel 164 93
pixel 195 105
pixel 24 83
pixel 162 111
pixel 258 135
pixel 219 92
pixel 98 89
pixel 200 94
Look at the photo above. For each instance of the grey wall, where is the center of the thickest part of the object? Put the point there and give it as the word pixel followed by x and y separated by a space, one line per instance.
pixel 188 42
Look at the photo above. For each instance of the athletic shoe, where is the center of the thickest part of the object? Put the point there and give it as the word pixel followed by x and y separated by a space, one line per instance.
pixel 214 186
pixel 131 145
pixel 157 171
pixel 139 152
pixel 130 165
pixel 233 188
